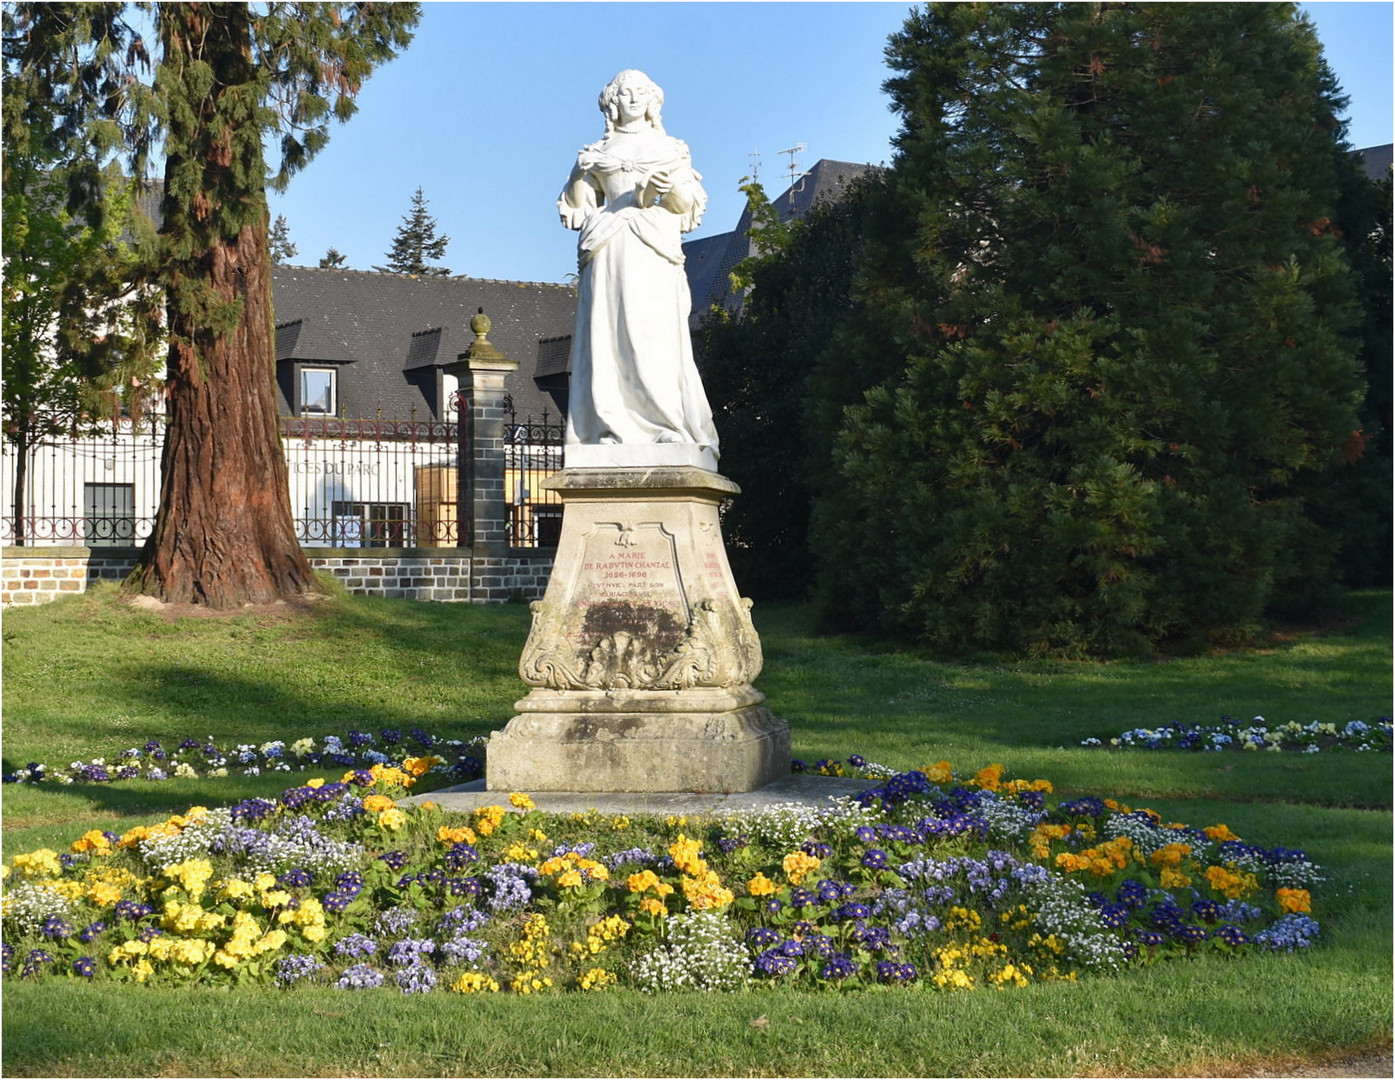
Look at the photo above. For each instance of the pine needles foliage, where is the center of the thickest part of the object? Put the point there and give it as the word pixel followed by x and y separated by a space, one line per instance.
pixel 1125 327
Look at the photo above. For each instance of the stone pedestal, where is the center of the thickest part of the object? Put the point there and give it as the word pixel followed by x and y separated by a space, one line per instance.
pixel 642 653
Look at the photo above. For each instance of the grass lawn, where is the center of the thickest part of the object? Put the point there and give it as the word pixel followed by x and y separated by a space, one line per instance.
pixel 89 676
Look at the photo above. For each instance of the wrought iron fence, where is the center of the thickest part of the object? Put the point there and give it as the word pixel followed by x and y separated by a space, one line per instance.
pixel 353 483
pixel 532 452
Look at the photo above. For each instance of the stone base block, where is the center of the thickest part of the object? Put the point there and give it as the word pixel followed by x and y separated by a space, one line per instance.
pixel 739 750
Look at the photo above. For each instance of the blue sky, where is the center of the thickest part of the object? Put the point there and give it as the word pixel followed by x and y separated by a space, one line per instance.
pixel 488 106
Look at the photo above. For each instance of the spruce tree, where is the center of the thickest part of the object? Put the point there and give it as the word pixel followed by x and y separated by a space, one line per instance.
pixel 416 244
pixel 1124 320
pixel 220 79
pixel 332 260
pixel 280 241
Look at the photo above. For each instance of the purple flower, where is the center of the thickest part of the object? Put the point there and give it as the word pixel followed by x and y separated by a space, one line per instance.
pixel 355 945
pixel 291 969
pixel 360 977
pixel 92 930
pixel 874 859
pixel 84 967
pixel 416 979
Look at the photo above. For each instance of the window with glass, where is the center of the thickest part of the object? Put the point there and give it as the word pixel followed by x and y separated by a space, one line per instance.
pixel 317 391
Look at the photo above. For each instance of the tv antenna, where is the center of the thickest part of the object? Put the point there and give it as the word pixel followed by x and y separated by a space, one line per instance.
pixel 796 175
pixel 754 155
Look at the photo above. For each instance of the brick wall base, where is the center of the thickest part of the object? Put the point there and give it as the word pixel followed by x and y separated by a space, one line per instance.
pixel 38 575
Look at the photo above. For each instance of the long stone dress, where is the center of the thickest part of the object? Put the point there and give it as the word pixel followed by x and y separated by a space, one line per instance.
pixel 633 378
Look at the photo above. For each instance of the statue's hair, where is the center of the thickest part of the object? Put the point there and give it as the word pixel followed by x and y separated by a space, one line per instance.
pixel 611 93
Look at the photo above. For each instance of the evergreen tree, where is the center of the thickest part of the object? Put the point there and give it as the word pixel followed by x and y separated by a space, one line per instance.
pixel 756 370
pixel 1123 318
pixel 280 241
pixel 416 244
pixel 223 77
pixel 332 260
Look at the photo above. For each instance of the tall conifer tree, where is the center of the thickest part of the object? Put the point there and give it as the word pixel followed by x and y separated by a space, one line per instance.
pixel 416 245
pixel 223 78
pixel 1126 331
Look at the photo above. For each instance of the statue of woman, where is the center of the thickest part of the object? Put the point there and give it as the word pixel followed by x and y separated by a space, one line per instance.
pixel 633 382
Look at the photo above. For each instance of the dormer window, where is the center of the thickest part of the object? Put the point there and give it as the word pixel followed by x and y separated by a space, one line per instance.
pixel 317 391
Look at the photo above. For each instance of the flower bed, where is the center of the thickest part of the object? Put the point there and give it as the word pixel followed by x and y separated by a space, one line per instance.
pixel 1256 734
pixel 205 758
pixel 930 880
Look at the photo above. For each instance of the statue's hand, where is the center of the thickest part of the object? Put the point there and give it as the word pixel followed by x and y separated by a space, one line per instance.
pixel 661 191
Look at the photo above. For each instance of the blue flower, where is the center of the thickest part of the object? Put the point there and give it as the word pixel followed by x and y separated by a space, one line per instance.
pixel 874 859
pixel 762 937
pixel 84 967
pixel 775 963
pixel 839 967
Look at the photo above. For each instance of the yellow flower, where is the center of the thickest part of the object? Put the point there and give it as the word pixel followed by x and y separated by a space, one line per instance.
pixel 39 864
pixel 1220 833
pixel 651 906
pixel 392 819
pixel 458 835
pixel 686 855
pixel 420 766
pixel 596 978
pixel 939 773
pixel 376 804
pixel 520 800
pixel 760 885
pixel 798 865
pixel 706 891
pixel 571 879
pixel 316 783
pixel 103 893
pixel 488 818
pixel 1172 878
pixel 191 875
pixel 474 982
pixel 235 889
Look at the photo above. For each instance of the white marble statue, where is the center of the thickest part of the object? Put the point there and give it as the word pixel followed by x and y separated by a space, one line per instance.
pixel 636 397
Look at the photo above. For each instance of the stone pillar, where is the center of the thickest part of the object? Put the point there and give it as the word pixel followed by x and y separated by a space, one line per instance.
pixel 482 504
pixel 642 653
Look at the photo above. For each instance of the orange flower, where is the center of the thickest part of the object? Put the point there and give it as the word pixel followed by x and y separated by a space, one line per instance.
pixel 460 835
pixel 1220 833
pixel 988 777
pixel 1295 900
pixel 376 804
pixel 760 885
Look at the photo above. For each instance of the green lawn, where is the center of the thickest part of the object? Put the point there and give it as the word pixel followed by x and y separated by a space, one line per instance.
pixel 90 676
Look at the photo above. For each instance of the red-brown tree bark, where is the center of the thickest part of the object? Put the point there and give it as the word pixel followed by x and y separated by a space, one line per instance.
pixel 224 535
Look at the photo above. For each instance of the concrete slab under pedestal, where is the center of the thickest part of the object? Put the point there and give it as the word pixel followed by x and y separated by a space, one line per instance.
pixel 800 789
pixel 702 752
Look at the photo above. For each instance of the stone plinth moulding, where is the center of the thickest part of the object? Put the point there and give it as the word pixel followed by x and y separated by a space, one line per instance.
pixel 642 653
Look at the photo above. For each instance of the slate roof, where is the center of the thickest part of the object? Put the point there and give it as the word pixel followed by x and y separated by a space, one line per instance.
pixel 389 334
pixel 1376 160
pixel 710 260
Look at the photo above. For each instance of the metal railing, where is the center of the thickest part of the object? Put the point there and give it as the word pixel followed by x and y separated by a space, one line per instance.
pixel 353 483
pixel 532 452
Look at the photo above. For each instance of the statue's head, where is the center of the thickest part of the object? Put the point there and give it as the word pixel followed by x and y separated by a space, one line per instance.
pixel 647 88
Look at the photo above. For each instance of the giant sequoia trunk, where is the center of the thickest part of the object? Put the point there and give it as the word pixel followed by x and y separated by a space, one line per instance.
pixel 224 535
